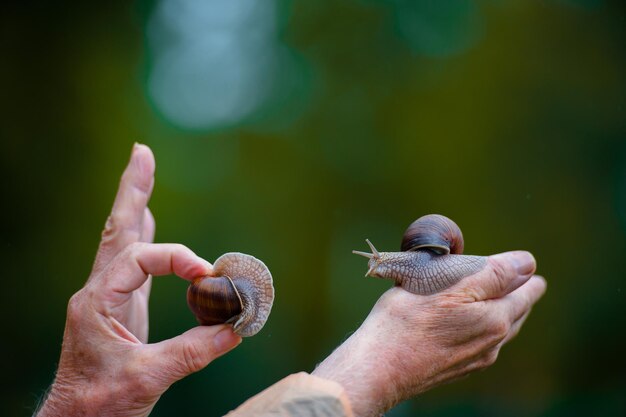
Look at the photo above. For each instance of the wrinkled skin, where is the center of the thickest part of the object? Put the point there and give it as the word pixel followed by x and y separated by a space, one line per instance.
pixel 106 366
pixel 411 343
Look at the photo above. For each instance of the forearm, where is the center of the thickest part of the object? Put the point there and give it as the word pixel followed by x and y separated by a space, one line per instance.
pixel 298 395
pixel 357 367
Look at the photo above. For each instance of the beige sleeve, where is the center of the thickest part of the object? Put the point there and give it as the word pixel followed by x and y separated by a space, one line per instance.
pixel 298 395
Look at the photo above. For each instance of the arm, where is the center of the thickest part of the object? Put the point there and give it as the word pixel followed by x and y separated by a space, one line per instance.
pixel 106 367
pixel 298 395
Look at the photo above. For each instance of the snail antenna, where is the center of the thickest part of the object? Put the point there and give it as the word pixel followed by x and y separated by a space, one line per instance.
pixel 367 255
pixel 374 251
pixel 375 254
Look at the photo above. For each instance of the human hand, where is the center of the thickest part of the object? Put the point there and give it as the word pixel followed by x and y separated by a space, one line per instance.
pixel 106 367
pixel 410 343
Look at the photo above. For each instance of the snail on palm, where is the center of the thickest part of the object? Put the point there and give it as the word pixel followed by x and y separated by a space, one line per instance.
pixel 240 292
pixel 430 259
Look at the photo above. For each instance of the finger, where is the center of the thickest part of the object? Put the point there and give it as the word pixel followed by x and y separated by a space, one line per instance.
pixel 520 301
pixel 191 351
pixel 515 328
pixel 125 224
pixel 148 228
pixel 146 287
pixel 147 235
pixel 504 273
pixel 130 269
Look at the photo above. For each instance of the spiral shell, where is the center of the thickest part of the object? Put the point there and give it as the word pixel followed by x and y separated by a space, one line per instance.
pixel 242 293
pixel 435 232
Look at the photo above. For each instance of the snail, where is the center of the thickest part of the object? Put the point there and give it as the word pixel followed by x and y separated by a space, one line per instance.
pixel 240 292
pixel 430 259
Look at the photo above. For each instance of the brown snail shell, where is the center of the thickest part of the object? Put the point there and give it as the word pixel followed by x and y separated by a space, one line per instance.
pixel 213 300
pixel 241 293
pixel 434 232
pixel 430 260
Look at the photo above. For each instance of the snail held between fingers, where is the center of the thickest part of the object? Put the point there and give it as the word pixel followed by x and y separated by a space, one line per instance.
pixel 430 260
pixel 241 293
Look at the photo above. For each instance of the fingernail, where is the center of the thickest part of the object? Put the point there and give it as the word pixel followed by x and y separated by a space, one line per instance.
pixel 137 160
pixel 133 151
pixel 522 261
pixel 225 340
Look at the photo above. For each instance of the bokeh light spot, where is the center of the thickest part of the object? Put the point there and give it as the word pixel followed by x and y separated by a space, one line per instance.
pixel 212 60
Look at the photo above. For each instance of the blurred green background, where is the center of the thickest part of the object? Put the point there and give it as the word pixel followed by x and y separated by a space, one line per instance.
pixel 293 130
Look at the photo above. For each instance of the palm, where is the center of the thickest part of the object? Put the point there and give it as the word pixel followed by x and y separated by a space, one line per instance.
pixel 135 315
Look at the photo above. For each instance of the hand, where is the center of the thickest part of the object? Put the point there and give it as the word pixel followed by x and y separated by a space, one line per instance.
pixel 106 367
pixel 411 343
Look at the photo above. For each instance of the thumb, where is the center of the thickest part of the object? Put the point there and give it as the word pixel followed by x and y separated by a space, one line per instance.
pixel 193 350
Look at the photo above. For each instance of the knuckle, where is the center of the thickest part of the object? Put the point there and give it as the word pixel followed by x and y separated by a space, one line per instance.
pixel 193 357
pixel 74 307
pixel 500 272
pixel 451 300
pixel 498 330
pixel 117 231
pixel 490 358
pixel 513 333
pixel 486 360
pixel 133 249
pixel 479 318
pixel 179 247
pixel 109 228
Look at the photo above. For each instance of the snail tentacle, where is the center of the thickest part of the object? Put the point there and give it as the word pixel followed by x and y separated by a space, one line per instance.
pixel 366 254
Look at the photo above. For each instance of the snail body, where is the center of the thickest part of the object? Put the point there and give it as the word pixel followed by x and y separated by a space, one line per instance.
pixel 430 260
pixel 241 293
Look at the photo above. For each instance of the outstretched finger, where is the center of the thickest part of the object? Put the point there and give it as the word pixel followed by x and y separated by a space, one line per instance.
pixel 131 268
pixel 126 223
pixel 505 272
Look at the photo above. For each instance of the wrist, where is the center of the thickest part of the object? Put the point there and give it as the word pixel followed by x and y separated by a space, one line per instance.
pixel 81 398
pixel 88 398
pixel 62 399
pixel 357 367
